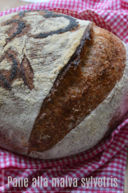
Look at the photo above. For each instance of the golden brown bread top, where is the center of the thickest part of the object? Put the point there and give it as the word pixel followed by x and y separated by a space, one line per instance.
pixel 81 86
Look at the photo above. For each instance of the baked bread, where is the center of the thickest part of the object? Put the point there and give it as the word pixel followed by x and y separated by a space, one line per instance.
pixel 63 84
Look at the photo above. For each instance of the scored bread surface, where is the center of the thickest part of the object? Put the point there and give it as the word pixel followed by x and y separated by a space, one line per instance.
pixel 88 133
pixel 24 53
pixel 61 82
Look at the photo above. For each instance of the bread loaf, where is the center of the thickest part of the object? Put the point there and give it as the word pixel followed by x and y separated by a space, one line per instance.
pixel 63 84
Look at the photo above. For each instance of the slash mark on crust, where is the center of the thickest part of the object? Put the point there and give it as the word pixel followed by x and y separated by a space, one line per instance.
pixel 18 70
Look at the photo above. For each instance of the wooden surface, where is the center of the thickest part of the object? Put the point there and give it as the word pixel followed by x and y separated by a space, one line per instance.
pixel 6 4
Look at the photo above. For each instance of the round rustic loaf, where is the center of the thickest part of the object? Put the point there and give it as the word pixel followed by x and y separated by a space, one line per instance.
pixel 63 84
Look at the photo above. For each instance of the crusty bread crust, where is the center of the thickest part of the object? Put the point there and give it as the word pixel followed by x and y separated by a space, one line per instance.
pixel 101 121
pixel 80 87
pixel 60 77
pixel 34 47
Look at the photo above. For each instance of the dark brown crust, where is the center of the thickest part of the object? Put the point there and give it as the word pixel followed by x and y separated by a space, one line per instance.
pixel 80 87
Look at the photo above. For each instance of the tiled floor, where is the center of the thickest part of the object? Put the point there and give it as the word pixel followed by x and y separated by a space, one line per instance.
pixel 6 4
